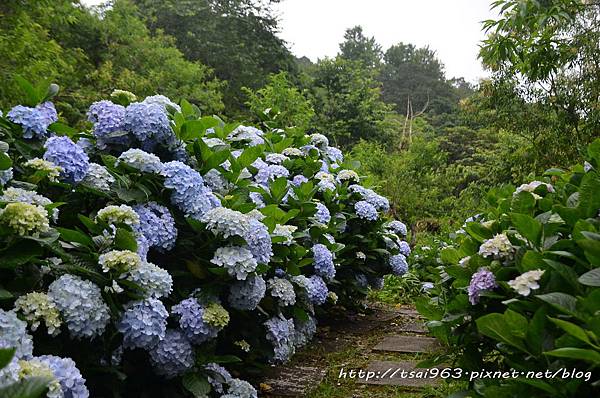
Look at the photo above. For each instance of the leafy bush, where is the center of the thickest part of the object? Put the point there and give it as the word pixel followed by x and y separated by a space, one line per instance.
pixel 518 286
pixel 160 241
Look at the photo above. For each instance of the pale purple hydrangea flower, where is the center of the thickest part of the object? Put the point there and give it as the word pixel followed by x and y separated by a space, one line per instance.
pixel 280 332
pixel 322 215
pixel 149 124
pixel 190 314
pixel 481 281
pixel 13 334
pixel 365 210
pixel 156 225
pixel 108 123
pixel 404 248
pixel 304 330
pixel 398 264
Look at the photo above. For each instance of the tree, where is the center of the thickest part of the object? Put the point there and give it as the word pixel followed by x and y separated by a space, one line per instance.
pixel 237 38
pixel 416 75
pixel 357 47
pixel 347 95
pixel 546 54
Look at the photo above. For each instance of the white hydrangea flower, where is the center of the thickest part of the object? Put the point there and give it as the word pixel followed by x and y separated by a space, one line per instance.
pixel 285 231
pixel 283 290
pixel 141 160
pixel 498 247
pixel 44 165
pixel 114 288
pixel 276 158
pixel 319 140
pixel 37 307
pixel 527 282
pixel 120 261
pixel 25 219
pixel 155 281
pixel 98 178
pixel 348 175
pixel 464 261
pixel 122 214
pixel 238 261
pixel 361 256
pixel 292 152
pixel 532 186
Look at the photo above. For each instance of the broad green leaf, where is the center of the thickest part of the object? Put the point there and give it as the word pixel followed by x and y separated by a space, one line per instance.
pixel 591 278
pixel 572 329
pixel 527 226
pixel 561 301
pixel 6 355
pixel 5 161
pixel 495 326
pixel 71 235
pixel 517 323
pixel 32 387
pixel 125 240
pixel 576 353
pixel 589 195
pixel 197 385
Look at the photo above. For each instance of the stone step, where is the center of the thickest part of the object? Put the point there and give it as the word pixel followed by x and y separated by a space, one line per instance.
pixel 398 373
pixel 411 344
pixel 293 381
pixel 410 326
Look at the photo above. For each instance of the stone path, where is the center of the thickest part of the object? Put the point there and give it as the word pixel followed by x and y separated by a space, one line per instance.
pixel 386 332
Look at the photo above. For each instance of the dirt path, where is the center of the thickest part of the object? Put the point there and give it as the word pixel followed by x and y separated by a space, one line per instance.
pixel 382 341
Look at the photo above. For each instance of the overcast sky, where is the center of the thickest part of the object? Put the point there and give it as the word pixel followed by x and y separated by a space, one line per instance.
pixel 314 28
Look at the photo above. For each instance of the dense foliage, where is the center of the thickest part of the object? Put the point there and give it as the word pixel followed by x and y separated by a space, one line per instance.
pixel 162 241
pixel 518 286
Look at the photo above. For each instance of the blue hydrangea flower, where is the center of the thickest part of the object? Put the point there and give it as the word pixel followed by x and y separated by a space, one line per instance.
pixel 141 160
pixel 299 180
pixel 191 321
pixel 304 330
pixel 13 334
pixel 246 295
pixel 398 264
pixel 376 283
pixel 69 156
pixel 270 172
pixel 283 290
pixel 257 199
pixel 35 121
pixel 188 190
pixel 323 261
pixel 163 101
pixel 404 248
pixel 155 281
pixel 6 176
pixel 259 242
pixel 81 306
pixel 238 261
pixel 251 135
pixel 66 372
pixel 323 215
pixel 481 281
pixel 143 323
pixel 280 332
pixel 378 201
pixel 108 123
pixel 156 225
pixel 173 355
pixel 334 154
pixel 317 290
pixel 398 227
pixel 217 376
pixel 217 183
pixel 240 389
pixel 365 210
pixel 319 140
pixel 98 178
pixel 149 124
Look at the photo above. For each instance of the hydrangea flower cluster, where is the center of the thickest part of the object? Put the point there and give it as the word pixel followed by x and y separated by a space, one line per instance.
pixel 481 281
pixel 217 377
pixel 285 231
pixel 35 121
pixel 246 295
pixel 366 210
pixel 65 371
pixel 304 331
pixel 280 332
pixel 322 215
pixel 98 178
pixel 156 225
pixel 251 135
pixel 81 306
pixel 143 324
pixel 397 227
pixel 526 282
pixel 149 124
pixel 52 171
pixel 283 290
pixel 398 264
pixel 13 334
pixel 323 261
pixel 155 281
pixel 141 160
pixel 173 355
pixel 119 261
pixel 191 321
pixel 37 307
pixel 67 155
pixel 240 389
pixel 25 219
pixel 532 186
pixel 35 368
pixel 188 190
pixel 108 123
pixel 379 202
pixel 238 261
pixel 497 247
pixel 122 214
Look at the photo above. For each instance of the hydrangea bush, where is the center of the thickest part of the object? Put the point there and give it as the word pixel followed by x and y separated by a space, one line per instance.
pixel 161 242
pixel 518 287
